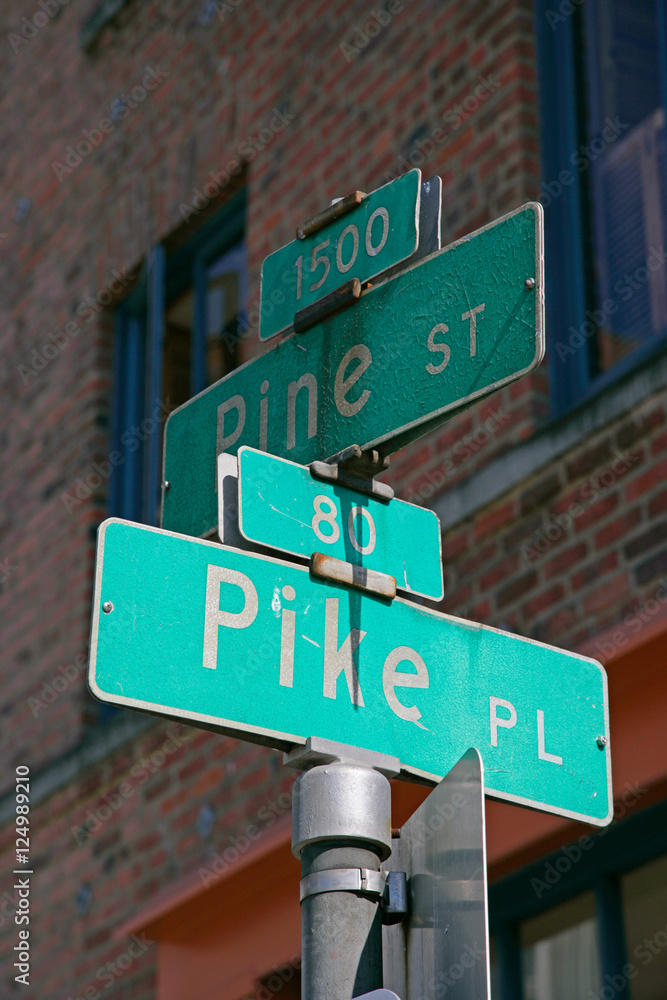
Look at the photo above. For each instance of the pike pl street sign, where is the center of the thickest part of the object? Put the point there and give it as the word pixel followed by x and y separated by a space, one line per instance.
pixel 254 647
pixel 282 506
pixel 381 232
pixel 411 352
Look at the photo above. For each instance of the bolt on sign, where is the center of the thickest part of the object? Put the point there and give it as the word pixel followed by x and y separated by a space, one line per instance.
pixel 255 647
pixel 403 359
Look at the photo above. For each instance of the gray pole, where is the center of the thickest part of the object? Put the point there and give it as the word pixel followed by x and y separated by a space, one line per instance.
pixel 341 831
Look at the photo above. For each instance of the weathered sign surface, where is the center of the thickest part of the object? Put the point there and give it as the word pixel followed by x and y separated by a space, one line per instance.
pixel 380 233
pixel 413 350
pixel 283 507
pixel 255 647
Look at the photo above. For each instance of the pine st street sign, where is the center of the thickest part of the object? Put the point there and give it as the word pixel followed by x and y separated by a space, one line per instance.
pixel 254 647
pixel 379 233
pixel 408 354
pixel 281 505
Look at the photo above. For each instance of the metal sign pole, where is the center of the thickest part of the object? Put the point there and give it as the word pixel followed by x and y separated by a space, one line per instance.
pixel 341 831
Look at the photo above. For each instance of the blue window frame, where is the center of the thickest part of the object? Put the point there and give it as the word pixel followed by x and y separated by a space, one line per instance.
pixel 602 68
pixel 589 920
pixel 178 331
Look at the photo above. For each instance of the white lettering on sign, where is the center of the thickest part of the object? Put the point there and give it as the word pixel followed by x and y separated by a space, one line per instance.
pixel 498 722
pixel 287 631
pixel 354 233
pixel 325 517
pixel 326 512
pixel 444 349
pixel 315 260
pixel 229 431
pixel 364 550
pixel 319 259
pixel 337 660
pixel 440 348
pixel 309 383
pixel 541 752
pixel 383 214
pixel 392 678
pixel 343 383
pixel 472 316
pixel 233 403
pixel 214 616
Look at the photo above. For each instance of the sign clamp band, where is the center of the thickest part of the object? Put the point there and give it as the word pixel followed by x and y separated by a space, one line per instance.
pixel 340 207
pixel 341 298
pixel 366 880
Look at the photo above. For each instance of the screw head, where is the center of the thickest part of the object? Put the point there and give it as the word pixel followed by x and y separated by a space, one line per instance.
pixel 602 741
pixel 107 607
pixel 529 283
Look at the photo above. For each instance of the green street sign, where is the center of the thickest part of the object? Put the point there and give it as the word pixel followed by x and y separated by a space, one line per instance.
pixel 411 352
pixel 378 234
pixel 282 506
pixel 254 647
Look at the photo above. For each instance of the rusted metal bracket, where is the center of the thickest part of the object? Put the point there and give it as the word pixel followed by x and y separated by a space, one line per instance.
pixel 341 297
pixel 355 469
pixel 330 214
pixel 370 580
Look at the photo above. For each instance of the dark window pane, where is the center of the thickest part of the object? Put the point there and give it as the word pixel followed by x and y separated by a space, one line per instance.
pixel 645 910
pixel 624 157
pixel 560 952
pixel 177 350
pixel 225 296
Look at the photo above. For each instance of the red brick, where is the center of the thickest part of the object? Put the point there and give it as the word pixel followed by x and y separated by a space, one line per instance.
pixel 495 519
pixel 617 528
pixel 516 589
pixel 597 512
pixel 454 543
pixel 658 504
pixel 659 444
pixel 500 572
pixel 589 460
pixel 606 594
pixel 543 600
pixel 596 570
pixel 454 431
pixel 655 476
pixel 565 559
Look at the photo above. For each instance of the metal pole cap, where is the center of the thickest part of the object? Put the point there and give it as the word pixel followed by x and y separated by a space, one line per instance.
pixel 341 801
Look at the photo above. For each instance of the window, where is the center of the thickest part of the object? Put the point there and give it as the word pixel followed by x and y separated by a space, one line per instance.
pixel 588 922
pixel 176 333
pixel 602 67
pixel 644 893
pixel 560 951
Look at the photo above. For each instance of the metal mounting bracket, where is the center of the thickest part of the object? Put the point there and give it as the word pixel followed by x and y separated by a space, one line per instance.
pixel 317 750
pixel 341 298
pixel 355 469
pixel 340 207
pixel 396 901
pixel 365 880
pixel 371 580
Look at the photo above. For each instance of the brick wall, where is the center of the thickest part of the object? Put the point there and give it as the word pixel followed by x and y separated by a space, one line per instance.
pixel 577 547
pixel 446 86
